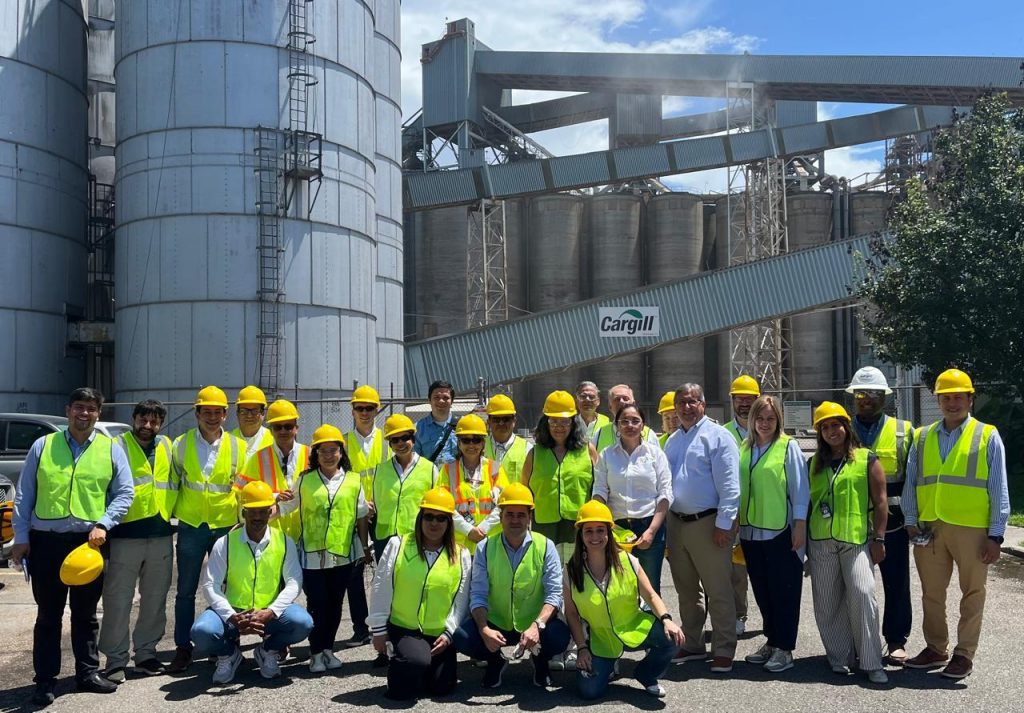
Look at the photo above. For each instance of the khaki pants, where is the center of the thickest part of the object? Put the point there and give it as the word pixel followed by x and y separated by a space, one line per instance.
pixel 962 546
pixel 695 560
pixel 739 589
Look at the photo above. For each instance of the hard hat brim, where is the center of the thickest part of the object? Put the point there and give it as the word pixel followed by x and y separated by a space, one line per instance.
pixel 560 414
pixel 282 419
pixel 851 389
pixel 523 503
pixel 218 404
pixel 584 521
pixel 474 432
pixel 259 504
pixel 389 434
pixel 954 390
pixel 502 412
pixel 325 440
pixel 822 420
pixel 437 508
pixel 250 402
pixel 744 392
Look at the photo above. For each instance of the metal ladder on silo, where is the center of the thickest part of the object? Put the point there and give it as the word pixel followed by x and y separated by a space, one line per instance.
pixel 303 147
pixel 269 250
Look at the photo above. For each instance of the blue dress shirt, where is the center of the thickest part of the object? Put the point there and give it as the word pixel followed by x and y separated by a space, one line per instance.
pixel 705 465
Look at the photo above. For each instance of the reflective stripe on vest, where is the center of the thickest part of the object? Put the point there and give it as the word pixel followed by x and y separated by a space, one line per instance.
pixel 472 503
pixel 154 492
pixel 249 584
pixel 559 489
pixel 267 467
pixel 423 595
pixel 607 436
pixel 207 500
pixel 398 501
pixel 513 458
pixel 615 619
pixel 514 599
pixel 890 447
pixel 764 497
pixel 847 496
pixel 328 522
pixel 954 490
pixel 65 487
pixel 261 439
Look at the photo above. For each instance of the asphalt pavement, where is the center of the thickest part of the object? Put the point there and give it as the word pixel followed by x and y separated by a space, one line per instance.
pixel 995 684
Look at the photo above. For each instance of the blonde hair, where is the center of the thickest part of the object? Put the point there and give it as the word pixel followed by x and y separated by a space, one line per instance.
pixel 759 405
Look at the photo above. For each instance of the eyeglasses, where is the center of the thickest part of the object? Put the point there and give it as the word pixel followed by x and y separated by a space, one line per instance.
pixel 249 411
pixel 501 419
pixel 329 452
pixel 427 517
pixel 471 440
pixel 402 438
pixel 283 427
pixel 587 397
pixel 688 403
pixel 630 422
pixel 364 409
pixel 559 422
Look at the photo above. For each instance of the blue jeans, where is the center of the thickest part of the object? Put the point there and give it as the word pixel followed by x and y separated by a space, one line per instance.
pixel 215 637
pixel 659 654
pixel 553 640
pixel 194 543
pixel 651 559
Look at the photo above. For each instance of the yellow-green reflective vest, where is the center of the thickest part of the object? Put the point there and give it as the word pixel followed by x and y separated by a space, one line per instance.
pixel 598 423
pixel 606 436
pixel 559 489
pixel 764 498
pixel 64 487
pixel 398 501
pixel 954 490
pixel 266 466
pixel 250 584
pixel 423 595
pixel 261 439
pixel 615 619
pixel 514 599
pixel 328 523
pixel 891 447
pixel 732 428
pixel 155 494
pixel 362 463
pixel 473 503
pixel 662 438
pixel 846 495
pixel 513 459
pixel 210 500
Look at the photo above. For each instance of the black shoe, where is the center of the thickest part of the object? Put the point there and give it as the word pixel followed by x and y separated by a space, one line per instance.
pixel 93 682
pixel 541 673
pixel 182 658
pixel 495 670
pixel 44 693
pixel 357 640
pixel 380 662
pixel 151 667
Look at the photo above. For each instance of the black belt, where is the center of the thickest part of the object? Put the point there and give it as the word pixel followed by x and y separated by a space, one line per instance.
pixel 695 517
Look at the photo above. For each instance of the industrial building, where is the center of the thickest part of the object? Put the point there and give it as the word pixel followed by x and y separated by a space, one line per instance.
pixel 197 192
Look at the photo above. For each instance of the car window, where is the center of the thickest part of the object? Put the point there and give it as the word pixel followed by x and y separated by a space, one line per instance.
pixel 116 429
pixel 22 434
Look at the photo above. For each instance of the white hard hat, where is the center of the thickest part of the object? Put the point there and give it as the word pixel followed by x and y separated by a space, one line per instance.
pixel 868 378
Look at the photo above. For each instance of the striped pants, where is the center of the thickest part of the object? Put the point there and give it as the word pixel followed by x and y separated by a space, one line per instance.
pixel 843 585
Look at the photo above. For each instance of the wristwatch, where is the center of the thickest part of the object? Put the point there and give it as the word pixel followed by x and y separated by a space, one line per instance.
pixel 540 624
pixel 666 617
pixel 880 540
pixel 996 538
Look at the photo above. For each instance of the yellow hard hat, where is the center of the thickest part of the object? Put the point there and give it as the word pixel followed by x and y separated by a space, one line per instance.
pixel 282 410
pixel 559 404
pixel 212 396
pixel 827 410
pixel 501 405
pixel 398 423
pixel 257 494
pixel 744 385
pixel 626 539
pixel 325 434
pixel 82 566
pixel 594 511
pixel 668 402
pixel 439 499
pixel 366 394
pixel 516 494
pixel 953 381
pixel 251 395
pixel 471 425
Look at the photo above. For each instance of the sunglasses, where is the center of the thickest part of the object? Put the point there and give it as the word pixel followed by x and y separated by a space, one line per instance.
pixel 471 440
pixel 364 409
pixel 283 427
pixel 501 419
pixel 427 517
pixel 395 440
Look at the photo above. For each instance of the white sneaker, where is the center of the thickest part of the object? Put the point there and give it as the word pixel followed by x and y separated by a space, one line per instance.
pixel 570 661
pixel 317 663
pixel 761 656
pixel 226 667
pixel 657 690
pixel 741 627
pixel 270 664
pixel 780 661
pixel 331 659
pixel 878 676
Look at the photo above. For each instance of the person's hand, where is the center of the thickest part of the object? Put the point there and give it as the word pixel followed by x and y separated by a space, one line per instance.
pixel 368 556
pixel 258 621
pixel 877 552
pixel 673 632
pixel 799 534
pixel 285 495
pixel 722 538
pixel 990 551
pixel 372 508
pixel 18 553
pixel 492 638
pixel 584 662
pixel 380 643
pixel 645 540
pixel 530 638
pixel 240 620
pixel 97 536
pixel 476 535
pixel 913 530
pixel 440 644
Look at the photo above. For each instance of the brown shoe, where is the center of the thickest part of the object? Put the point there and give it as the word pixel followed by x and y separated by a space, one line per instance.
pixel 182 658
pixel 721 664
pixel 926 659
pixel 959 667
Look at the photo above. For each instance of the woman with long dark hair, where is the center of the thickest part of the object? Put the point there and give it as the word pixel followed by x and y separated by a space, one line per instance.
pixel 419 597
pixel 603 586
pixel 335 536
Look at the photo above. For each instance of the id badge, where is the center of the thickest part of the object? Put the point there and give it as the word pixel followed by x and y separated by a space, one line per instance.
pixel 826 511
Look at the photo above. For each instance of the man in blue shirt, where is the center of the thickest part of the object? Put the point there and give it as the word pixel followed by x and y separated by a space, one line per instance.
pixel 704 461
pixel 435 433
pixel 57 509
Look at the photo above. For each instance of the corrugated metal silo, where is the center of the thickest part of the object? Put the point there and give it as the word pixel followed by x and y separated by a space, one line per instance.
pixel 675 236
pixel 43 193
pixel 441 279
pixel 515 257
pixel 195 79
pixel 810 224
pixel 101 90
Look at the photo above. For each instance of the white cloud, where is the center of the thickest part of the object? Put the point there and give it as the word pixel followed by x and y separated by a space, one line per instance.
pixel 853 162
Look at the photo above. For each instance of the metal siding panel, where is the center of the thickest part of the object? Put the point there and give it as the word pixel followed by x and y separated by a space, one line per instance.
pixel 183 261
pixel 749 146
pixel 813 137
pixel 215 21
pixel 217 329
pixel 229 254
pixel 516 178
pixel 241 64
pixel 569 171
pixel 696 153
pixel 641 161
pixel 296 261
pixel 199 75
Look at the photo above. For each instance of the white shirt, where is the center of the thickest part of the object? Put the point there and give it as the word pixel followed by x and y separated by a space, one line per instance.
pixel 213 583
pixel 633 483
pixel 382 589
pixel 206 453
pixel 365 442
pixel 475 477
pixel 290 476
pixel 325 559
pixel 501 449
pixel 252 442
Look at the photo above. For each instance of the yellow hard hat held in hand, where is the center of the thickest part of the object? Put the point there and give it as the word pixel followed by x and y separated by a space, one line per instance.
pixel 82 566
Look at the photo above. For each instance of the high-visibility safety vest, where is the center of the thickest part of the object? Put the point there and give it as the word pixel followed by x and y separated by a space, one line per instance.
pixel 249 584
pixel 891 447
pixel 732 428
pixel 607 436
pixel 846 498
pixel 764 498
pixel 423 594
pixel 155 492
pixel 954 490
pixel 663 438
pixel 328 522
pixel 266 466
pixel 207 499
pixel 559 489
pixel 362 463
pixel 596 425
pixel 473 503
pixel 397 501
pixel 259 441
pixel 515 598
pixel 615 619
pixel 64 487
pixel 512 461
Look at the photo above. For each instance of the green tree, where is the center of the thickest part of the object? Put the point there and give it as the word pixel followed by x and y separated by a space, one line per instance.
pixel 948 288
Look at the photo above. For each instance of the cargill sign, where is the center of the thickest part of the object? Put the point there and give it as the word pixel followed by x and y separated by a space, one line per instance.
pixel 628 322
